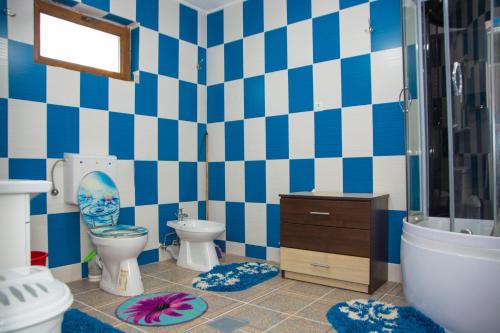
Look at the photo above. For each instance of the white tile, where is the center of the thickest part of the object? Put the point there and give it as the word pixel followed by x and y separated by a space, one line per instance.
pixel 188 60
pixel 275 15
pixel 147 217
pixel 4 168
pixel 233 22
pixel 255 139
pixel 124 8
pixel 216 142
pixel 145 138
pixel 190 208
pixel 233 100
pixel 168 17
pixel 235 181
pixel 387 75
pixel 215 63
pixel 188 145
pixel 56 204
pixel 300 44
pixel 27 124
pixel 125 183
pixel 39 233
pixel 328 174
pixel 202 104
pixel 121 96
pixel 63 86
pixel 202 181
pixel 253 55
pixel 357 138
pixel 94 132
pixel 236 249
pixel 276 87
pixel 322 7
pixel 148 50
pixel 217 212
pixel 394 273
pixel 20 27
pixel 277 180
pixel 168 97
pixel 255 224
pixel 168 182
pixel 68 273
pixel 389 176
pixel 4 69
pixel 202 29
pixel 273 253
pixel 353 22
pixel 301 134
pixel 86 245
pixel 327 85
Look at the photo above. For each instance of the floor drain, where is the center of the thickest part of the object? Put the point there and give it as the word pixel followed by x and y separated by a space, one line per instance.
pixel 228 324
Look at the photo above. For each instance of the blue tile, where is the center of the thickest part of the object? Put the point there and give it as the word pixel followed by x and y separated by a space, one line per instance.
pixel 298 10
pixel 62 130
pixel 35 169
pixel 301 175
pixel 147 13
pixel 85 270
pixel 356 81
pixel 358 174
pixel 253 17
pixel 388 130
pixel 300 89
pixel 235 222
pixel 121 135
pixel 350 3
pixel 134 49
pixel 326 37
pixel 148 257
pixel 166 212
pixel 188 181
pixel 188 24
pixel 328 133
pixel 27 80
pixel 277 137
pixel 93 91
pixel 100 4
pixel 394 230
pixel 168 53
pixel 385 15
pixel 127 216
pixel 188 101
pixel 69 3
pixel 255 181
pixel 254 97
pixel 255 251
pixel 273 225
pixel 215 28
pixel 63 239
pixel 117 19
pixel 233 60
pixel 276 50
pixel 215 103
pixel 216 181
pixel 202 142
pixel 202 210
pixel 3 21
pixel 234 136
pixel 168 139
pixel 4 138
pixel 146 95
pixel 202 60
pixel 220 243
pixel 146 182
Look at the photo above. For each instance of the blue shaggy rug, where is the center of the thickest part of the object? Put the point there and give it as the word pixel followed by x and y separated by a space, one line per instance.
pixel 235 277
pixel 75 321
pixel 362 315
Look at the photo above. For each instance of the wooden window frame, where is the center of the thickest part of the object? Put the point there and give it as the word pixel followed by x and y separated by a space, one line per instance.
pixel 43 7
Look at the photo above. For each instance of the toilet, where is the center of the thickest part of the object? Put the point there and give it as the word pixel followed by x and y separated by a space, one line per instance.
pixel 89 184
pixel 197 250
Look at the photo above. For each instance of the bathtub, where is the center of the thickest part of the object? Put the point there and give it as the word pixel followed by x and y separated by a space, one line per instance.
pixel 451 277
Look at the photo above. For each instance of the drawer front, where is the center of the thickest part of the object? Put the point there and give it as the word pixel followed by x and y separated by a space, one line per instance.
pixel 337 213
pixel 352 242
pixel 333 266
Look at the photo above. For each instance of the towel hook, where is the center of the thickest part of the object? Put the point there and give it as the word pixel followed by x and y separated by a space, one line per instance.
pixel 9 12
pixel 370 27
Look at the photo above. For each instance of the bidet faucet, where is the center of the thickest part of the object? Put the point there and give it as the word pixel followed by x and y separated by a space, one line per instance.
pixel 181 215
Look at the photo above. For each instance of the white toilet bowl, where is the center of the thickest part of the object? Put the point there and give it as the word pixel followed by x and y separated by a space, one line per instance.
pixel 197 250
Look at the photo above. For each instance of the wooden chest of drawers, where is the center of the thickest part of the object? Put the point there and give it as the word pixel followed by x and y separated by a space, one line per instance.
pixel 336 239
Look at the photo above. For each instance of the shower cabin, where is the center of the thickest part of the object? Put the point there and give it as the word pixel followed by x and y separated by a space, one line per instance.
pixel 450 247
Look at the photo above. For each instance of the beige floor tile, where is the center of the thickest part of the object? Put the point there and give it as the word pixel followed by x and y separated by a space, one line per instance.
pixel 81 286
pixel 128 329
pixel 384 289
pixel 244 295
pixel 307 289
pixel 229 259
pixel 174 287
pixel 104 317
pixel 276 282
pixel 316 311
pixel 79 305
pixel 97 298
pixel 151 283
pixel 259 319
pixel 177 274
pixel 283 301
pixel 341 295
pixel 218 305
pixel 158 267
pixel 299 325
pixel 394 300
pixel 397 291
pixel 175 328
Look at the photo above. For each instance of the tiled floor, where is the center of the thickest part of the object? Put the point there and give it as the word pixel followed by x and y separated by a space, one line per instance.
pixel 277 305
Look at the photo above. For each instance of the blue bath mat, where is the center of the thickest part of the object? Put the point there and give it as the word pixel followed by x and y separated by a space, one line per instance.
pixel 161 309
pixel 75 321
pixel 235 277
pixel 362 315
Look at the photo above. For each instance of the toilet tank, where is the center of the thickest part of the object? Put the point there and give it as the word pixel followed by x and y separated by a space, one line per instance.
pixel 76 166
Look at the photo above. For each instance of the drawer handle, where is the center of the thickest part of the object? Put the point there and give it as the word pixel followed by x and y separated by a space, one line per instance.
pixel 320 213
pixel 315 264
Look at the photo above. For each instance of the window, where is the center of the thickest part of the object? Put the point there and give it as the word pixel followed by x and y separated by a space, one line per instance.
pixel 69 39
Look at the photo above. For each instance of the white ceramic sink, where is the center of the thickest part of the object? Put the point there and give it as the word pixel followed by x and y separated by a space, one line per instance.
pixel 32 187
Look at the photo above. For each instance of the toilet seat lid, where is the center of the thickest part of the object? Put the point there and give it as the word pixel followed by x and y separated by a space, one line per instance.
pixel 99 200
pixel 119 231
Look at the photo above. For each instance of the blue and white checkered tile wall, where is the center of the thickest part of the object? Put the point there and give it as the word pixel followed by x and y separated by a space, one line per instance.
pixel 155 128
pixel 301 96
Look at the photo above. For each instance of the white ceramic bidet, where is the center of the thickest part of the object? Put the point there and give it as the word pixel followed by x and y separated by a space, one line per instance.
pixel 197 250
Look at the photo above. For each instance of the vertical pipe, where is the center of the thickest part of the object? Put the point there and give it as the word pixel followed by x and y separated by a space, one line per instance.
pixel 449 105
pixel 206 175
